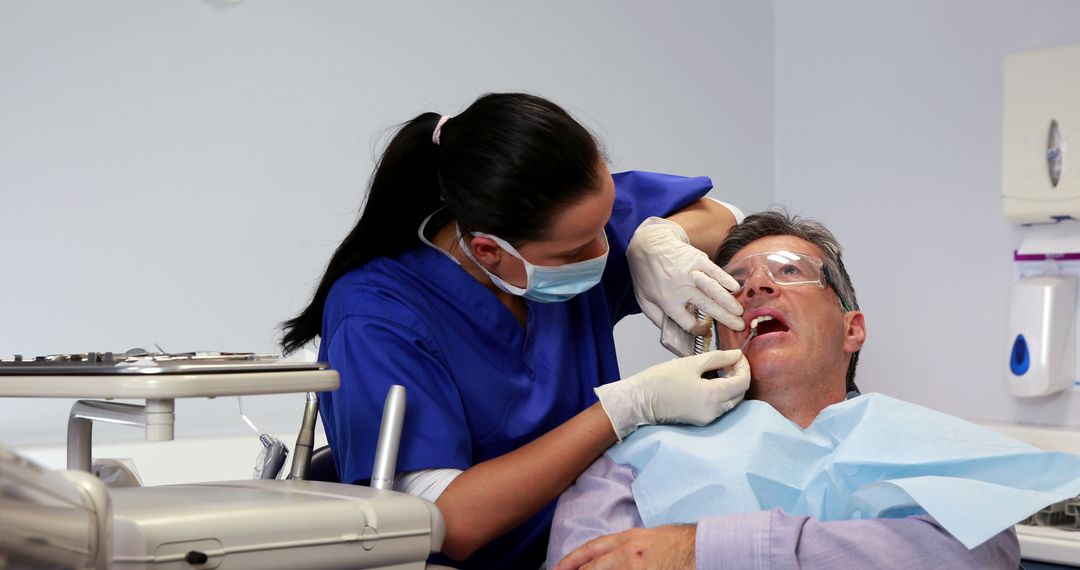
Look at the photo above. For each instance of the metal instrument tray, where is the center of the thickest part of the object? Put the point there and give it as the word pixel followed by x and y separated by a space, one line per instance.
pixel 110 364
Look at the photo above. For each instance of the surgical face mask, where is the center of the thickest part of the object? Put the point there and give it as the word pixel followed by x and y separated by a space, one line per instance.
pixel 545 284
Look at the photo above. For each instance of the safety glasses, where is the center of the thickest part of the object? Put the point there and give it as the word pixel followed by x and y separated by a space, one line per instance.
pixel 784 268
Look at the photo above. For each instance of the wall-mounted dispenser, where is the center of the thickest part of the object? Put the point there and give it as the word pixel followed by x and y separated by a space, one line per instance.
pixel 1040 174
pixel 1042 334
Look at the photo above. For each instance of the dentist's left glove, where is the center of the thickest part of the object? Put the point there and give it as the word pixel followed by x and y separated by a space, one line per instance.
pixel 675 392
pixel 670 274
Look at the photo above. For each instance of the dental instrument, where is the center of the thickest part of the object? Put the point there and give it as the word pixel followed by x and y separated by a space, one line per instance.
pixel 682 343
pixel 704 342
pixel 273 454
pixel 305 440
pixel 382 474
pixel 753 330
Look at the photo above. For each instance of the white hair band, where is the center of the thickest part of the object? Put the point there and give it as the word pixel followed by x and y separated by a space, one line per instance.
pixel 438 128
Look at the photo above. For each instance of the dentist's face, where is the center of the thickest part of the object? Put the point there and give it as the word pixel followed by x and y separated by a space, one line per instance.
pixel 575 235
pixel 810 337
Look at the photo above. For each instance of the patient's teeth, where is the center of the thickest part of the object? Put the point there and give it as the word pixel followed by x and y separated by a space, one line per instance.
pixel 758 320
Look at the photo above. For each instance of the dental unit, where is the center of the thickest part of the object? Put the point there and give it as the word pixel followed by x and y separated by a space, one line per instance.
pixel 70 518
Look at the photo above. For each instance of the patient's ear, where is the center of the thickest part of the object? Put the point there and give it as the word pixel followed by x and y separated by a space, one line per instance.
pixel 854 331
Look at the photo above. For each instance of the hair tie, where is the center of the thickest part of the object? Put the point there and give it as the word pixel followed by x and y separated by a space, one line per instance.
pixel 438 128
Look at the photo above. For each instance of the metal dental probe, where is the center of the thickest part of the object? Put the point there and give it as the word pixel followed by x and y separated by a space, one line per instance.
pixel 753 333
pixel 753 330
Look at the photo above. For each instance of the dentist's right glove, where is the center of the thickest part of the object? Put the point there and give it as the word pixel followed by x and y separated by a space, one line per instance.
pixel 675 392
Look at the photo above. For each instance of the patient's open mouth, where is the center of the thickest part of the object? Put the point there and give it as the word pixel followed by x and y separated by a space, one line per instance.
pixel 768 325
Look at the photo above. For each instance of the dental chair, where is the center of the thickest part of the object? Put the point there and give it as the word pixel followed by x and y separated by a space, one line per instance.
pixel 322 466
pixel 70 519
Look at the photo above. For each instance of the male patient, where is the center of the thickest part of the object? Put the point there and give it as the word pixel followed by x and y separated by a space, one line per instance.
pixel 802 360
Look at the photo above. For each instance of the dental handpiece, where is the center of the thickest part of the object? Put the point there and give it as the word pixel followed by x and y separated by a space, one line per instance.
pixel 273 454
pixel 272 459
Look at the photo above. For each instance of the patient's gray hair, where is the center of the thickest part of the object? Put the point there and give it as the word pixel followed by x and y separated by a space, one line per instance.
pixel 780 223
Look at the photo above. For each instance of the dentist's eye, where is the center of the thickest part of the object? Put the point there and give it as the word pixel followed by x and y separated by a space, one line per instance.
pixel 789 269
pixel 570 256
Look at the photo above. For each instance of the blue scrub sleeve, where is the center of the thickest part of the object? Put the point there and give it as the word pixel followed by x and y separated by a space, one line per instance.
pixel 639 195
pixel 434 433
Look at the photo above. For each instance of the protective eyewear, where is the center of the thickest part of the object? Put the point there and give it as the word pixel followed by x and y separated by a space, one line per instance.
pixel 784 268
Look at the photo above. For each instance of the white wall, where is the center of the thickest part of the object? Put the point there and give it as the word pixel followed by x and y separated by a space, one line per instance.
pixel 888 129
pixel 179 172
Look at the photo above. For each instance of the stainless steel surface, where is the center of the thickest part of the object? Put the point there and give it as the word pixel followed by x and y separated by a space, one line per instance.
pixel 159 378
pixel 305 440
pixel 140 363
pixel 386 451
pixel 1064 515
pixel 676 340
pixel 188 385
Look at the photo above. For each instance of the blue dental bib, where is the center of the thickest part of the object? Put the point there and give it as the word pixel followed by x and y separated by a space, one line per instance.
pixel 867 457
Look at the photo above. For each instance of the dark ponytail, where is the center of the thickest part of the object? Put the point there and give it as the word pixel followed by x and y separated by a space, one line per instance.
pixel 506 165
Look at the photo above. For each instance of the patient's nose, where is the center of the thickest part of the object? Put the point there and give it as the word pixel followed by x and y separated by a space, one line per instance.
pixel 759 283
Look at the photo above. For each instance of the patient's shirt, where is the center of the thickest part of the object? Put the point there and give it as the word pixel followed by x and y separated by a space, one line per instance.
pixel 868 457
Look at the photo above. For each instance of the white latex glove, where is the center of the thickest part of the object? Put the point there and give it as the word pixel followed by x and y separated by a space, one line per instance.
pixel 675 392
pixel 670 276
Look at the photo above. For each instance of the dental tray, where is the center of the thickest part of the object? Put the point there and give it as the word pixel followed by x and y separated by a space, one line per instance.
pixel 140 362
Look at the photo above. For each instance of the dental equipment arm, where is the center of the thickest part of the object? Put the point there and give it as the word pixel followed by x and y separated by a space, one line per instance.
pixel 156 416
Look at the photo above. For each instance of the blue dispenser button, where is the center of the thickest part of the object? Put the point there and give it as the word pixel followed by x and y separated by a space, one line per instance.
pixel 1020 360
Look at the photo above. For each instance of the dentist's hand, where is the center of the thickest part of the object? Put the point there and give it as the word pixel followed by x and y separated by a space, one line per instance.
pixel 675 392
pixel 670 274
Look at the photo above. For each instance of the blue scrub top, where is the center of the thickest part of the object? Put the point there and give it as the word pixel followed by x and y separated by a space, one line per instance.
pixel 477 384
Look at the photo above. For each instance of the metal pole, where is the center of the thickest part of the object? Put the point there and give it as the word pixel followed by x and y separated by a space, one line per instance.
pixel 305 441
pixel 382 474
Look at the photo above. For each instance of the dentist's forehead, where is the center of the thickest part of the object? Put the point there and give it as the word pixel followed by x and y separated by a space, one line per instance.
pixel 773 243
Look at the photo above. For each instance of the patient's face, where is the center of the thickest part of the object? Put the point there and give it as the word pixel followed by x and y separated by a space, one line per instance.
pixel 808 342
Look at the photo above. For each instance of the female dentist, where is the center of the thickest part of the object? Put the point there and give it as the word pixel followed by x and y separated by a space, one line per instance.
pixel 493 257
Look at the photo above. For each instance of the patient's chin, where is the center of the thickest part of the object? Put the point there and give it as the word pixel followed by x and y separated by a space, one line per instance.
pixel 769 372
